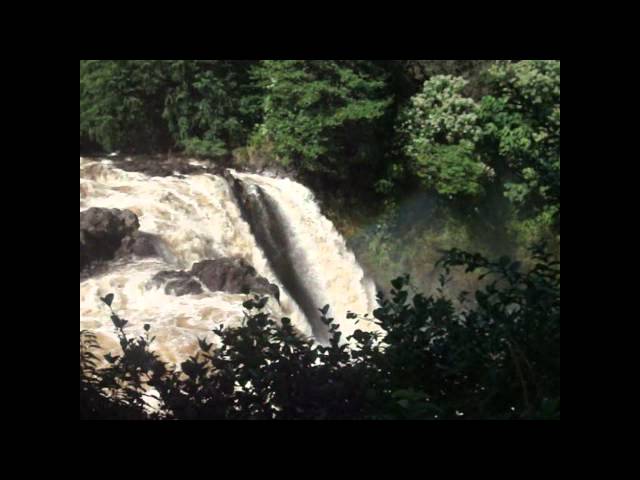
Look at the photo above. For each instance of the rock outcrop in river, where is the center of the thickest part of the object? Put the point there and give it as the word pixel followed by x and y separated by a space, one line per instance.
pixel 232 275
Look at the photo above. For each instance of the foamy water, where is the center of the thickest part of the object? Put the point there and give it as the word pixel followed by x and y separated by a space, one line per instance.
pixel 197 217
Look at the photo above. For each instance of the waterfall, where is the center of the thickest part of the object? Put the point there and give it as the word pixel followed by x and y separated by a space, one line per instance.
pixel 273 223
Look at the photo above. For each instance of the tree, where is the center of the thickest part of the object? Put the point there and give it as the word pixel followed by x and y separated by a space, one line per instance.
pixel 204 107
pixel 322 115
pixel 441 127
pixel 508 142
pixel 410 75
pixel 521 133
pixel 121 104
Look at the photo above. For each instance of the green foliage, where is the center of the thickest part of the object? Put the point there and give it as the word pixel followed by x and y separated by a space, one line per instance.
pixel 441 114
pixel 321 115
pixel 499 360
pixel 121 103
pixel 521 132
pixel 418 71
pixel 203 107
pixel 507 143
pixel 466 129
pixel 441 126
pixel 411 236
pixel 450 169
pixel 481 137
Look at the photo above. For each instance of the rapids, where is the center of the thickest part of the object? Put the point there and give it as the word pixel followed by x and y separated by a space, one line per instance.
pixel 273 223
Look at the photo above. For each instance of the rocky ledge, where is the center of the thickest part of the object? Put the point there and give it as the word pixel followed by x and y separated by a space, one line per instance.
pixel 113 234
pixel 228 274
pixel 110 233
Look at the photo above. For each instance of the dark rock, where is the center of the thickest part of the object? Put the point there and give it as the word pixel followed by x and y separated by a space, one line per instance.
pixel 178 288
pixel 262 285
pixel 108 222
pixel 102 231
pixel 108 234
pixel 169 165
pixel 233 275
pixel 144 245
pixel 141 244
pixel 177 282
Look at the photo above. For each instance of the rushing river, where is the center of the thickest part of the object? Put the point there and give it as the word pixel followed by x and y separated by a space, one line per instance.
pixel 274 224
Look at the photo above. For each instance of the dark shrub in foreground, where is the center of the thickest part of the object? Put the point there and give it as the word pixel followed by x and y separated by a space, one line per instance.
pixel 496 358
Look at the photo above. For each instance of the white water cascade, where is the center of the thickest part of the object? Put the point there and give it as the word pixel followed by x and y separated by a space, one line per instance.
pixel 272 223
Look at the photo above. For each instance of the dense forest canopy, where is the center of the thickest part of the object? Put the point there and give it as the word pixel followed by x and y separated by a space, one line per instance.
pixel 410 158
pixel 468 130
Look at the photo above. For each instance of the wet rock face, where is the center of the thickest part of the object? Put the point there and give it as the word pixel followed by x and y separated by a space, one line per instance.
pixel 139 243
pixel 108 223
pixel 232 275
pixel 165 166
pixel 102 231
pixel 177 283
pixel 109 233
pixel 172 165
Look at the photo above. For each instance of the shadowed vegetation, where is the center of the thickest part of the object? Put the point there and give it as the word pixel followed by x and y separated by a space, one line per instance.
pixel 497 360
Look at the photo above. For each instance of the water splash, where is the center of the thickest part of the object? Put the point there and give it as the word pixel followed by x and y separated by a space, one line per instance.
pixel 198 217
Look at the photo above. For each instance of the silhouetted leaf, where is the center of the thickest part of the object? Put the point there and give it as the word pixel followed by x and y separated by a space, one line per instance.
pixel 204 345
pixel 108 299
pixel 249 304
pixel 110 358
pixel 262 302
